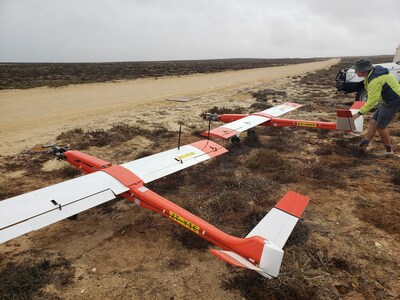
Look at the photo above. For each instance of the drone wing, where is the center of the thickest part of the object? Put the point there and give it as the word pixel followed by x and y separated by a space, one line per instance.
pixel 37 209
pixel 162 164
pixel 236 127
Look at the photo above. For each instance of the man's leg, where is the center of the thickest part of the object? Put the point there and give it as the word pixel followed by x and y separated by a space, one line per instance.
pixel 384 134
pixel 369 136
pixel 371 130
pixel 386 115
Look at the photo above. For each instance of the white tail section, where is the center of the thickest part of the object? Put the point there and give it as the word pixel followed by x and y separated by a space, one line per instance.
pixel 276 228
pixel 271 259
pixel 278 224
pixel 272 233
pixel 359 124
pixel 345 119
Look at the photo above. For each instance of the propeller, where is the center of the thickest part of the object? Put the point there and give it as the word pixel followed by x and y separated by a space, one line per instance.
pixel 53 149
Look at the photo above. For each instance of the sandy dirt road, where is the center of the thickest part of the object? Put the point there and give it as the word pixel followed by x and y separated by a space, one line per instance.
pixel 39 114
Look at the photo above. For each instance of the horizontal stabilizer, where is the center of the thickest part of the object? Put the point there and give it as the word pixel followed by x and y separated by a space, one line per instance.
pixel 243 124
pixel 270 263
pixel 162 164
pixel 37 209
pixel 234 259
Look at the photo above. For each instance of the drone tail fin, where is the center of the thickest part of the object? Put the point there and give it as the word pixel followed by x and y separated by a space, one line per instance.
pixel 355 108
pixel 345 121
pixel 265 242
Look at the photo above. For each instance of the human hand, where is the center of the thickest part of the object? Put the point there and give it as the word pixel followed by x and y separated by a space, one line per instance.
pixel 356 115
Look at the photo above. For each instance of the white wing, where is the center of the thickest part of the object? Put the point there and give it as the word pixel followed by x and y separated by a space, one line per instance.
pixel 161 164
pixel 37 209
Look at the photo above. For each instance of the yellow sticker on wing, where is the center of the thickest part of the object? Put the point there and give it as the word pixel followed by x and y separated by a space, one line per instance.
pixel 186 155
pixel 184 222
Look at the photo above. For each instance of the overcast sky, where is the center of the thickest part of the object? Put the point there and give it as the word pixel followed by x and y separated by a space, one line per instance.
pixel 136 30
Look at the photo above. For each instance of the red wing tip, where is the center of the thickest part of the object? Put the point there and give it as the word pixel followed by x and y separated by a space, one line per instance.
pixel 220 132
pixel 358 104
pixel 293 203
pixel 209 147
pixel 296 105
pixel 210 134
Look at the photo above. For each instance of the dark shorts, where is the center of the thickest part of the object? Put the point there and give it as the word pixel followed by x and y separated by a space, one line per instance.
pixel 384 114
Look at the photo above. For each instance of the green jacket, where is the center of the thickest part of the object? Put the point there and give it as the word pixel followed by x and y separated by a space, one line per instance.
pixel 382 87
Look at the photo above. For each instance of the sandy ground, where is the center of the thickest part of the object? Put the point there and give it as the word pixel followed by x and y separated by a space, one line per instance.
pixel 38 115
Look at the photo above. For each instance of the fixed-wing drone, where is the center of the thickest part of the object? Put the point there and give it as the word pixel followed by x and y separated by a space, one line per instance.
pixel 238 123
pixel 261 250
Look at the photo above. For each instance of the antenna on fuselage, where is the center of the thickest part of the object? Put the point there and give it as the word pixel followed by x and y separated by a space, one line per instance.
pixel 179 136
pixel 210 117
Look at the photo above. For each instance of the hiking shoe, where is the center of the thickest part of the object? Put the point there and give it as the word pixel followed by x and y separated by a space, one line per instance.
pixel 385 153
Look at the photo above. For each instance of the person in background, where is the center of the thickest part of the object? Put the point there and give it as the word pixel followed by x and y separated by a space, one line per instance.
pixel 384 92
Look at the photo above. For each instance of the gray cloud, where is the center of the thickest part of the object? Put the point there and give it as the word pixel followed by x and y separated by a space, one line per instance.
pixel 132 30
